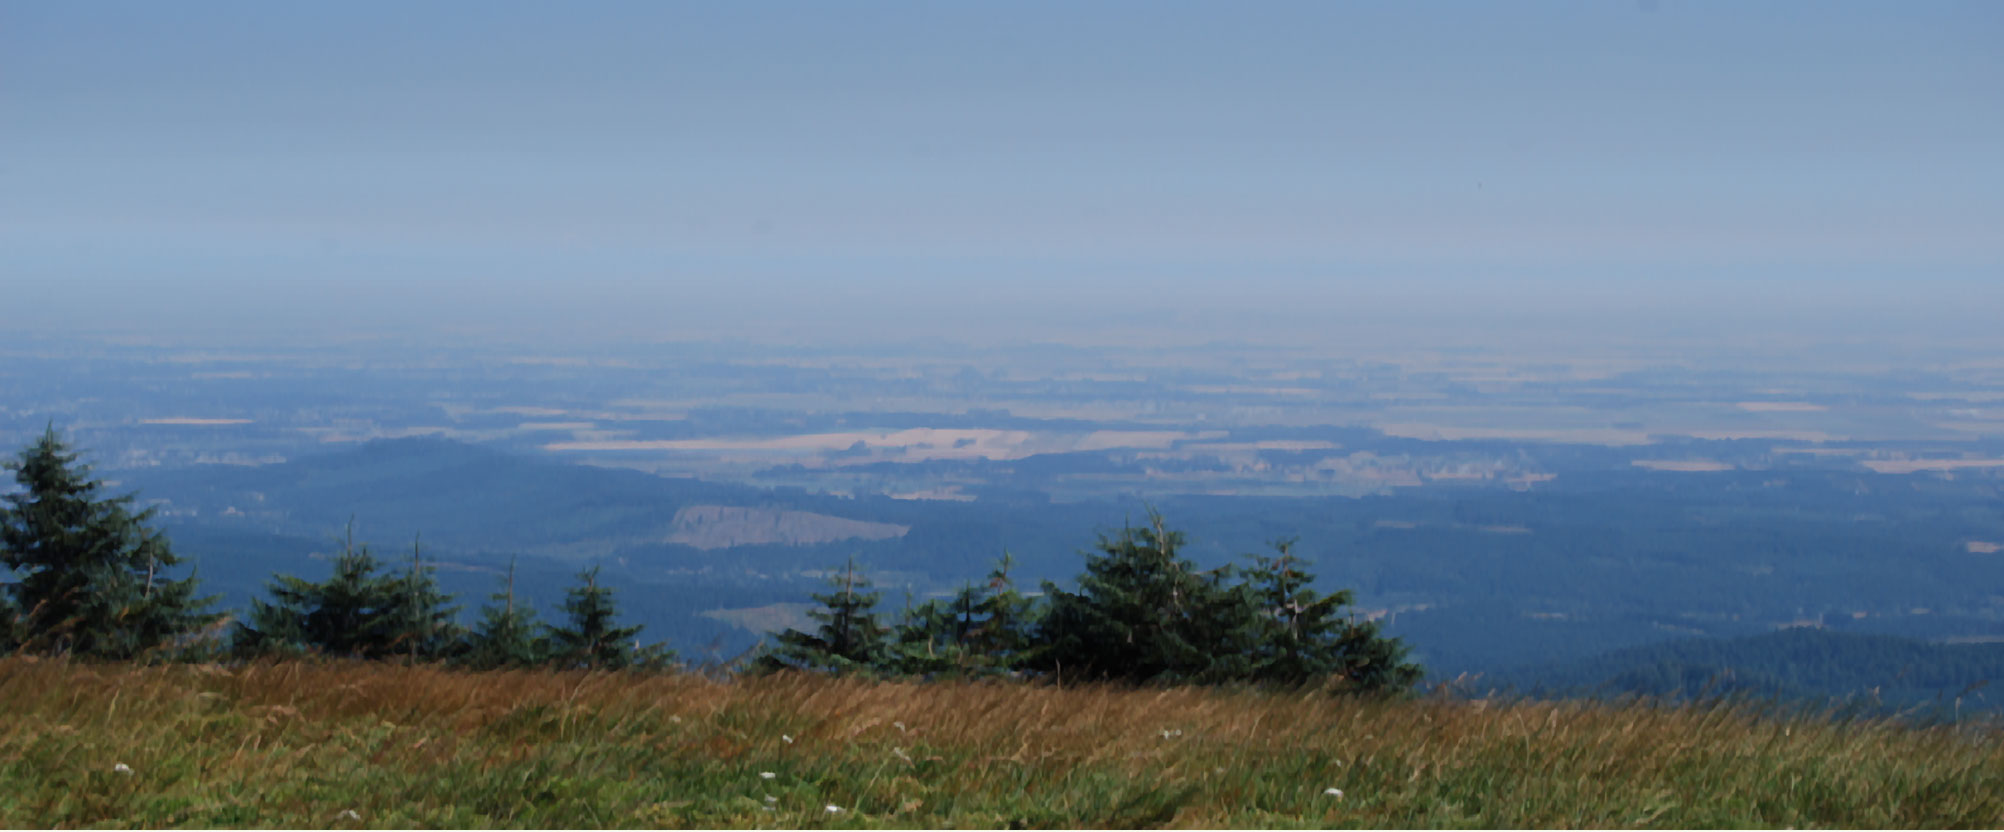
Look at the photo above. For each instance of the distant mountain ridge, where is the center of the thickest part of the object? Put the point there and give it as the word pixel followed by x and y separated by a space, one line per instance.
pixel 1802 663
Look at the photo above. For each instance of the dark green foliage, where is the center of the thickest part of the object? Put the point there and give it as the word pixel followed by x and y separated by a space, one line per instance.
pixel 90 575
pixel 980 631
pixel 355 613
pixel 1006 636
pixel 849 640
pixel 1302 636
pixel 1142 613
pixel 10 637
pixel 592 639
pixel 1296 623
pixel 936 639
pixel 1373 661
pixel 508 634
pixel 424 627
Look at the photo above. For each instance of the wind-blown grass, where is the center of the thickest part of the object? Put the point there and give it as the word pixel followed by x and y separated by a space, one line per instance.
pixel 352 745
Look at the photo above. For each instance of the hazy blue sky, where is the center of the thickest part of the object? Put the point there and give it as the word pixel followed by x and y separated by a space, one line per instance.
pixel 699 166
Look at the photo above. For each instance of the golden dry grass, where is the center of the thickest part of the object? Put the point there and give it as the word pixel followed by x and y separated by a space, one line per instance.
pixel 305 744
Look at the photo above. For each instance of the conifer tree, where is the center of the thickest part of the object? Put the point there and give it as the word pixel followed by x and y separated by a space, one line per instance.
pixel 849 639
pixel 1297 627
pixel 91 577
pixel 980 631
pixel 1144 614
pixel 508 634
pixel 937 638
pixel 341 616
pixel 1302 637
pixel 1005 636
pixel 592 639
pixel 421 624
pixel 356 613
pixel 10 638
pixel 1373 661
pixel 1141 613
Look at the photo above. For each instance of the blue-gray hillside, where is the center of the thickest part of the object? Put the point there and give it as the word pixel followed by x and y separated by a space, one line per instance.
pixel 1878 673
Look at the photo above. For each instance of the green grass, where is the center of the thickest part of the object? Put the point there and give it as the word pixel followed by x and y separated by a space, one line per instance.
pixel 303 745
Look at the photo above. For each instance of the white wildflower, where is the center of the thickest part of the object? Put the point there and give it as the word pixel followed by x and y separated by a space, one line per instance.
pixel 1166 733
pixel 1335 793
pixel 832 808
pixel 121 768
pixel 766 775
pixel 771 799
pixel 787 737
pixel 348 814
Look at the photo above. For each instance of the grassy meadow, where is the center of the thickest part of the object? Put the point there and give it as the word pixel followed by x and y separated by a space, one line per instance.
pixel 377 745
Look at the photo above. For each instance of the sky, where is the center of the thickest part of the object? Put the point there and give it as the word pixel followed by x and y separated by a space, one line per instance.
pixel 672 170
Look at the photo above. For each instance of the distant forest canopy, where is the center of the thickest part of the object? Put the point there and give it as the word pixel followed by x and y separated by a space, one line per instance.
pixel 1475 580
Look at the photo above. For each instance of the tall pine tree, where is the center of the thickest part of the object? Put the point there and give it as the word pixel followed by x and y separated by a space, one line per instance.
pixel 1009 620
pixel 1142 613
pixel 507 634
pixel 850 638
pixel 592 638
pixel 1304 638
pixel 982 630
pixel 358 612
pixel 422 625
pixel 91 577
pixel 936 638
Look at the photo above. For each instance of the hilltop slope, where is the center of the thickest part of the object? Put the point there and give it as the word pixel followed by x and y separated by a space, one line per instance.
pixel 386 746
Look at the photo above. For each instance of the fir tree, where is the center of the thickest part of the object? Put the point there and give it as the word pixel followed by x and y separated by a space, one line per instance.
pixel 10 621
pixel 849 639
pixel 90 575
pixel 355 613
pixel 1008 620
pixel 1302 637
pixel 937 639
pixel 508 634
pixel 421 624
pixel 1298 629
pixel 1373 661
pixel 341 616
pixel 1141 613
pixel 592 639
pixel 982 630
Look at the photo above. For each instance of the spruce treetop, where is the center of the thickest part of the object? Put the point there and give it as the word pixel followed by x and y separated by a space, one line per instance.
pixel 91 574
